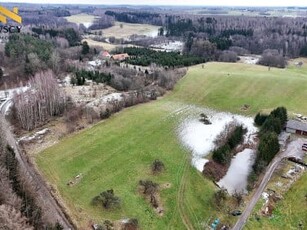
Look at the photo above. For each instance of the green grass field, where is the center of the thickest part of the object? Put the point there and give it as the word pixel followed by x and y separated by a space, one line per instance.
pixel 289 212
pixel 117 153
pixel 228 87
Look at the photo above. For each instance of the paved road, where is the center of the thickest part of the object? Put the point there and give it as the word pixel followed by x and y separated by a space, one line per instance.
pixel 4 105
pixel 293 150
pixel 51 208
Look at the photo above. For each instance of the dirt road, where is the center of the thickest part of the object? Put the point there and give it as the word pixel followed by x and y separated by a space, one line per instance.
pixel 293 150
pixel 51 208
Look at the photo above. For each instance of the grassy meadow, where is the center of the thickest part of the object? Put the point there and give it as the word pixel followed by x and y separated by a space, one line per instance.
pixel 81 18
pixel 288 213
pixel 125 30
pixel 227 87
pixel 117 153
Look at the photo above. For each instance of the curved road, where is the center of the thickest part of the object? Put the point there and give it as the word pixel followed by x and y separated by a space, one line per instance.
pixel 51 208
pixel 293 150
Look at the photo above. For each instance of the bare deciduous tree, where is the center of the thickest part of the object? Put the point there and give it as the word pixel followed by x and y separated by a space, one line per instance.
pixel 11 219
pixel 43 100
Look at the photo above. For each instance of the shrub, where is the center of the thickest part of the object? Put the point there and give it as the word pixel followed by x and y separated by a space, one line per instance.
pixel 272 58
pixel 157 166
pixel 219 197
pixel 228 56
pixel 149 187
pixel 107 199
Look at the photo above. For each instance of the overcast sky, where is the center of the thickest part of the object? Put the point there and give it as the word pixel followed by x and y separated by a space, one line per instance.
pixel 176 2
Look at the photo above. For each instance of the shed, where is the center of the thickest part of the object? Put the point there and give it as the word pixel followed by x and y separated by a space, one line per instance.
pixel 297 127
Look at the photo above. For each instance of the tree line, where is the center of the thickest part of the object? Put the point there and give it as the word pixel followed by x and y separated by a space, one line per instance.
pixel 270 127
pixel 136 17
pixel 18 206
pixel 223 154
pixel 145 57
pixel 36 105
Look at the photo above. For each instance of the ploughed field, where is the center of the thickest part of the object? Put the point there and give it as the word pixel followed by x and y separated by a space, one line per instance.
pixel 116 153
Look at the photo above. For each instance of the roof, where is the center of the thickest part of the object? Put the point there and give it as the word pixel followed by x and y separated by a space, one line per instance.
pixel 297 125
pixel 106 54
pixel 120 56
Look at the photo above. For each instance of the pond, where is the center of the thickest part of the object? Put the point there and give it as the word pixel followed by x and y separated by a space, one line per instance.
pixel 199 138
pixel 236 178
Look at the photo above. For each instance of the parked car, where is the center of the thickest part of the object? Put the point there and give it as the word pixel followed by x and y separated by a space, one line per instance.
pixel 236 213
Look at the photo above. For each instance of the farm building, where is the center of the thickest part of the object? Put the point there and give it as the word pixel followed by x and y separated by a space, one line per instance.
pixel 105 55
pixel 297 127
pixel 120 57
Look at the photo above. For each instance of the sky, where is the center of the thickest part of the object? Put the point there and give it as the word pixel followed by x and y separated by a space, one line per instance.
pixel 175 2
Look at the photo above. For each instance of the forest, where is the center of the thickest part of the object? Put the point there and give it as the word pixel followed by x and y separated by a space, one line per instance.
pixel 255 34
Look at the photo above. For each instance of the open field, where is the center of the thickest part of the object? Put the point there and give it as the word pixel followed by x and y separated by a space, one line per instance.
pixel 117 153
pixel 86 19
pixel 129 29
pixel 105 45
pixel 227 87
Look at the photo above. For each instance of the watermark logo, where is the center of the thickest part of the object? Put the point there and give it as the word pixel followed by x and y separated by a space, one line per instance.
pixel 5 13
pixel 5 28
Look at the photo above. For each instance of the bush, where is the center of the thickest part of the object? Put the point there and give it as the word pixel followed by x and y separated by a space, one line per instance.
pixel 228 56
pixel 214 171
pixel 272 58
pixel 107 199
pixel 157 166
pixel 149 187
pixel 219 197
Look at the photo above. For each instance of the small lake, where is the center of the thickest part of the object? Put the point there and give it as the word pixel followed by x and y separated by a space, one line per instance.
pixel 237 174
pixel 199 138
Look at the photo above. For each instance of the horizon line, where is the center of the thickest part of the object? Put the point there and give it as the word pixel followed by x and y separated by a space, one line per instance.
pixel 135 4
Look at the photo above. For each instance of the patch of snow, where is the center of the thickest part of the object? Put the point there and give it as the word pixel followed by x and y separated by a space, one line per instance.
pixel 10 92
pixel 265 196
pixel 95 63
pixel 112 97
pixel 252 60
pixel 35 136
pixel 279 184
pixel 199 162
pixel 199 138
pixel 169 46
pixel 236 177
pixel 125 221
